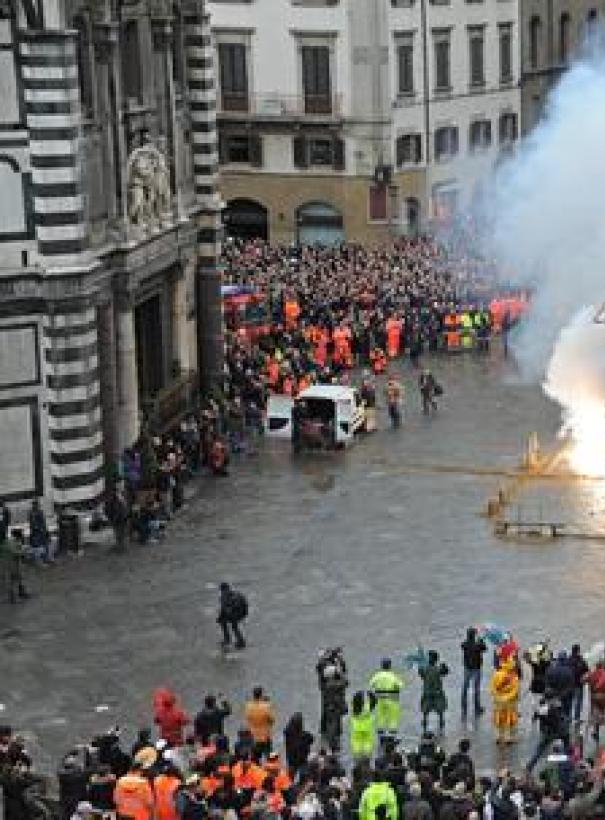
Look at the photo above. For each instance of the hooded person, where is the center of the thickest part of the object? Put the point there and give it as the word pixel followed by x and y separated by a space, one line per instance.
pixel 504 688
pixel 169 716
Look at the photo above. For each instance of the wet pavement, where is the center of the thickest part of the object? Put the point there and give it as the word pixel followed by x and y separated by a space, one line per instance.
pixel 374 549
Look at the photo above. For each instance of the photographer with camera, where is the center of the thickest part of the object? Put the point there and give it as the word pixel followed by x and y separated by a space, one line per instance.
pixel 332 678
pixel 554 725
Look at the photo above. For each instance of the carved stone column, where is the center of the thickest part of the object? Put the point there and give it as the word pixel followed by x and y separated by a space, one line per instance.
pixel 128 381
pixel 107 42
pixel 162 40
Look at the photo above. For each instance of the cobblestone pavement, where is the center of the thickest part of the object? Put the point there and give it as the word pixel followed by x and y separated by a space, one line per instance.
pixel 361 549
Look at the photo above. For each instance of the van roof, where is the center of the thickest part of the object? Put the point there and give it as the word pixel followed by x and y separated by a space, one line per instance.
pixel 335 392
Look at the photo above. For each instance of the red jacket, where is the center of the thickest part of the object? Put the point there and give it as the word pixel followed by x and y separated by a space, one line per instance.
pixel 170 717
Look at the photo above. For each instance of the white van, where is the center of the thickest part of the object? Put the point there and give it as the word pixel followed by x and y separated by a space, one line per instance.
pixel 340 407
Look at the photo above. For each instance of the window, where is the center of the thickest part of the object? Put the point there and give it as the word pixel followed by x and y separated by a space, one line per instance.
pixel 402 4
pixel 591 22
pixel 506 52
pixel 480 134
pixel 317 90
pixel 404 45
pixel 233 72
pixel 476 42
pixel 508 127
pixel 408 149
pixel 378 203
pixel 441 43
pixel 535 33
pixel 321 151
pixel 131 62
pixel 564 31
pixel 327 152
pixel 245 149
pixel 446 142
pixel 315 3
pixel 85 65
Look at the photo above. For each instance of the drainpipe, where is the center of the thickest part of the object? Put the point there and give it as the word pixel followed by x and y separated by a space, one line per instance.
pixel 426 94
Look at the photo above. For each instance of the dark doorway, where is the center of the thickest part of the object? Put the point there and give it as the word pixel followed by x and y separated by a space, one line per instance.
pixel 412 207
pixel 319 223
pixel 246 219
pixel 150 354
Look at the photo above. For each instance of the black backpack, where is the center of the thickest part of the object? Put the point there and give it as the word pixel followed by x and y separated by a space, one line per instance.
pixel 238 606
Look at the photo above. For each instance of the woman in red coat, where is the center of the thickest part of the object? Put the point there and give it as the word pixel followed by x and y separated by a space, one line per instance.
pixel 169 716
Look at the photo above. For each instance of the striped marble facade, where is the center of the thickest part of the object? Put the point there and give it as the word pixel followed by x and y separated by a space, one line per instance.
pixel 49 74
pixel 201 88
pixel 201 85
pixel 71 368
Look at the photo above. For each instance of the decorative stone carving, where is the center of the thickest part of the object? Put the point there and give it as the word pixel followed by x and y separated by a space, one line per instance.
pixel 149 195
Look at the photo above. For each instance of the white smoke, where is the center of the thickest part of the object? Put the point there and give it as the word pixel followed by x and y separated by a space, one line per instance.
pixel 548 215
pixel 548 233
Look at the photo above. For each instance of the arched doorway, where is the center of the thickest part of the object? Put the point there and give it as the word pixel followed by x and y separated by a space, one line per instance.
pixel 319 223
pixel 246 219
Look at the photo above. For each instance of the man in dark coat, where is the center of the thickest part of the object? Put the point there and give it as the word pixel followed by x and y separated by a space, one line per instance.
pixel 231 614
pixel 211 719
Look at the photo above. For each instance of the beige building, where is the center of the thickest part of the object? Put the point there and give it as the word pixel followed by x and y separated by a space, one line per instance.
pixel 552 31
pixel 360 120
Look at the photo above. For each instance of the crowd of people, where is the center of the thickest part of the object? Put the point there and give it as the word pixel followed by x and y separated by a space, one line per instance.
pixel 327 310
pixel 193 769
pixel 324 312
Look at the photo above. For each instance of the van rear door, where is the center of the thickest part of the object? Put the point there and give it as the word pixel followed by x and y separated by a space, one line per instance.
pixel 278 422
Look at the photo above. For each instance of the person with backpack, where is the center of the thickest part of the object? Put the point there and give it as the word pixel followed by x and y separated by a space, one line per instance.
pixel 233 611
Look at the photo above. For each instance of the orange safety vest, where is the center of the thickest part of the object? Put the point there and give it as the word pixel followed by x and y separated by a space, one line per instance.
pixel 133 797
pixel 210 784
pixel 281 778
pixel 292 312
pixel 164 787
pixel 321 349
pixel 393 328
pixel 252 777
pixel 273 372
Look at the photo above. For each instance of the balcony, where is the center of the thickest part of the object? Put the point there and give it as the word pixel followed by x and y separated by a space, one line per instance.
pixel 271 106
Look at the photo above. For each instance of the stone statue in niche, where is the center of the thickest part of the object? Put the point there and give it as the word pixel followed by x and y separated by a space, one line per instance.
pixel 149 194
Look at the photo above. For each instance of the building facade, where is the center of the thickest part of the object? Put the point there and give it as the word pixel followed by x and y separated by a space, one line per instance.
pixel 109 229
pixel 361 120
pixel 553 32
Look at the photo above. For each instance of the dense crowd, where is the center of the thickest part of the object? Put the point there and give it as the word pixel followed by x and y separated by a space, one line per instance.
pixel 194 770
pixel 327 310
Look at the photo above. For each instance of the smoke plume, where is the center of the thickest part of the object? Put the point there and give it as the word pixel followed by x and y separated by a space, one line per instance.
pixel 547 212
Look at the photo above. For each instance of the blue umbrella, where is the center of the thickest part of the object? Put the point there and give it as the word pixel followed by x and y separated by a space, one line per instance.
pixel 417 658
pixel 494 634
